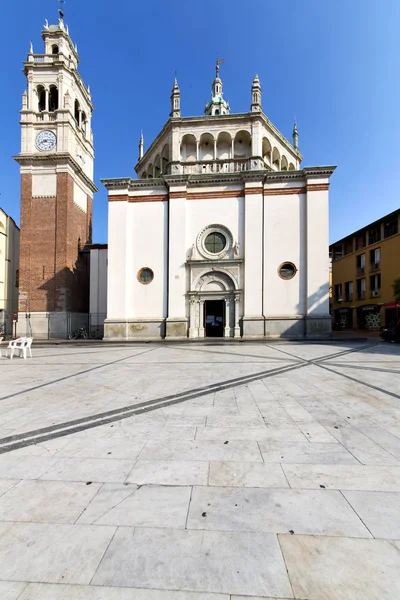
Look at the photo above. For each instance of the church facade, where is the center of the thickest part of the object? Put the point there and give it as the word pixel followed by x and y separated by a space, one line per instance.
pixel 222 234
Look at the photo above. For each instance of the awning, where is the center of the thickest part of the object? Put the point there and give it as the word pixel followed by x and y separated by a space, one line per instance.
pixel 392 305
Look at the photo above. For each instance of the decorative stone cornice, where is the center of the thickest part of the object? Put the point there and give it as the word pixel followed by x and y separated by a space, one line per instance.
pixel 26 160
pixel 286 191
pixel 175 180
pixel 318 172
pixel 240 179
pixel 223 262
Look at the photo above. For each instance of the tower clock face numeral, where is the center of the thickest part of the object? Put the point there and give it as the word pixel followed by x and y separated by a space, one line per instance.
pixel 46 140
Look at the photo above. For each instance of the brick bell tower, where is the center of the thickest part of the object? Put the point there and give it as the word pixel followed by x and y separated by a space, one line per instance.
pixel 56 159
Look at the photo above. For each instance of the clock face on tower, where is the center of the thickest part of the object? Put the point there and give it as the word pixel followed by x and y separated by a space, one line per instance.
pixel 46 140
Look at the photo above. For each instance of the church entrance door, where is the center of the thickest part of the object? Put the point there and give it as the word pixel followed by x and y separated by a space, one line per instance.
pixel 214 311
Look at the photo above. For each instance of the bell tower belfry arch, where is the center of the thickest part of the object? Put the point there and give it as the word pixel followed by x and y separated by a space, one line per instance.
pixel 56 160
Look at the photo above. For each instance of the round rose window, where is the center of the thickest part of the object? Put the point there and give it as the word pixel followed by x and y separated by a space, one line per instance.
pixel 215 242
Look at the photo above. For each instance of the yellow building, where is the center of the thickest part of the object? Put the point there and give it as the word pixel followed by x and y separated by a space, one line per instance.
pixel 364 266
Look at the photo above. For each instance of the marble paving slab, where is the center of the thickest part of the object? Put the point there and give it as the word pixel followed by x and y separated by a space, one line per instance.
pixel 113 446
pixel 234 597
pixel 317 512
pixel 257 434
pixel 363 448
pixel 344 477
pixel 200 561
pixel 325 568
pixel 168 472
pixel 31 467
pixel 48 591
pixel 185 421
pixel 90 469
pixel 150 506
pixel 225 420
pixel 7 484
pixel 302 453
pixel 380 511
pixel 10 590
pixel 109 496
pixel 46 501
pixel 384 438
pixel 158 432
pixel 202 450
pixel 239 474
pixel 52 553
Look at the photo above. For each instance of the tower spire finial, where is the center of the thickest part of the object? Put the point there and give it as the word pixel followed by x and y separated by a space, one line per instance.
pixel 175 100
pixel 141 146
pixel 295 135
pixel 217 105
pixel 256 95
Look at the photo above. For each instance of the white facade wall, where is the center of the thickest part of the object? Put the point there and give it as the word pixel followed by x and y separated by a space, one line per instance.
pixel 253 252
pixel 148 248
pixel 268 223
pixel 118 260
pixel 224 211
pixel 317 262
pixel 284 241
pixel 177 250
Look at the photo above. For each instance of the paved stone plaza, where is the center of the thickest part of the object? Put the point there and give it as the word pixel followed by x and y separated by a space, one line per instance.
pixel 201 472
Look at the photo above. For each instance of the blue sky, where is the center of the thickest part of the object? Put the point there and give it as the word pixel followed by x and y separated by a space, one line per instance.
pixel 334 64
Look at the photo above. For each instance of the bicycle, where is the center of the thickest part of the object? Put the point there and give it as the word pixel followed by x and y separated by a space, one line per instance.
pixel 80 333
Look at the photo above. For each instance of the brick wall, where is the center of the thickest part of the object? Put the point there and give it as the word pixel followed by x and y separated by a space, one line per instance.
pixel 53 273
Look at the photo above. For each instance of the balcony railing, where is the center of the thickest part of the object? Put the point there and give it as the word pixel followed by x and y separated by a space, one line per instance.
pixel 44 58
pixel 216 166
pixel 375 266
pixel 45 116
pixel 360 270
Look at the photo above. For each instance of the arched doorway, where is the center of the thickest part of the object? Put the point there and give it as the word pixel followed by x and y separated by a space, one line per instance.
pixel 214 306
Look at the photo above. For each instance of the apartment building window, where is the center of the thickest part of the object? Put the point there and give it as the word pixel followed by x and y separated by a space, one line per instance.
pixel 375 285
pixel 337 251
pixel 375 259
pixel 348 291
pixel 348 246
pixel 338 292
pixel 361 286
pixel 391 227
pixel 374 234
pixel 360 264
pixel 361 240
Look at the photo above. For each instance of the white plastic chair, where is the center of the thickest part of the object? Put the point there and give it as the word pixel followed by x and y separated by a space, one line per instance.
pixel 22 346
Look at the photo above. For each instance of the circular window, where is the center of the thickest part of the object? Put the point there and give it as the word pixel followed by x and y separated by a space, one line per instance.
pixel 215 242
pixel 287 270
pixel 145 275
